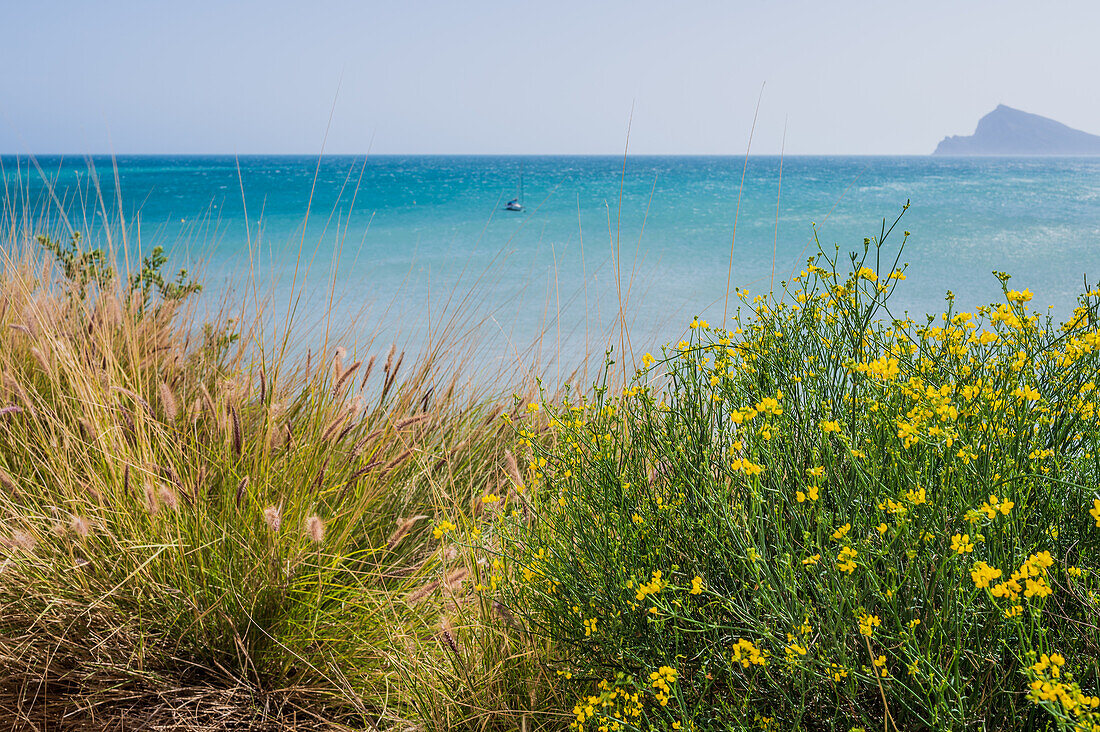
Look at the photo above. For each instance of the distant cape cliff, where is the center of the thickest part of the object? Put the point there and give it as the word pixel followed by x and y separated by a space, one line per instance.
pixel 1008 131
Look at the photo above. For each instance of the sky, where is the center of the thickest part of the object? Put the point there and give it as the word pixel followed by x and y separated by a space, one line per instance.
pixel 550 77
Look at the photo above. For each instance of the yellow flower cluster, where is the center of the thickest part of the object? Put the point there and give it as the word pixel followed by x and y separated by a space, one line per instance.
pixel 840 533
pixel 746 466
pixel 983 574
pixel 1026 393
pixel 662 680
pixel 770 405
pixel 961 544
pixel 747 654
pixel 810 494
pixel 653 587
pixel 846 559
pixel 794 651
pixel 868 623
pixel 615 708
pixel 916 497
pixel 1050 685
pixel 1033 572
pixel 442 528
pixel 995 506
pixel 885 367
pixel 880 667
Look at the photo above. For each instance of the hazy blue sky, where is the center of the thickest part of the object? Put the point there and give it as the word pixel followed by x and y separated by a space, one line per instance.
pixel 533 77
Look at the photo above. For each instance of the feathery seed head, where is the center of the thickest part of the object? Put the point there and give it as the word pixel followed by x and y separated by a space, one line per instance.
pixel 169 498
pixel 80 526
pixel 513 469
pixel 168 402
pixel 273 517
pixel 315 528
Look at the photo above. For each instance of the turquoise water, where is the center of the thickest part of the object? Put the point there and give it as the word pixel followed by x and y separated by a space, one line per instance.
pixel 406 234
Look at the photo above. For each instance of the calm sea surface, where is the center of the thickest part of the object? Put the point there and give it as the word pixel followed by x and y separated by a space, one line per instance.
pixel 402 240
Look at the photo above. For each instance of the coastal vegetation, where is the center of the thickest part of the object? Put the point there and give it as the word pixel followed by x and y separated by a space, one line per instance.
pixel 821 515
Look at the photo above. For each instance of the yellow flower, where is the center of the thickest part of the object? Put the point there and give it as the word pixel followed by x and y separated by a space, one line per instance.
pixel 880 665
pixel 696 586
pixel 842 532
pixel 794 650
pixel 983 574
pixel 995 506
pixel 746 467
pixel 442 528
pixel 812 559
pixel 1027 392
pixel 1020 297
pixel 960 544
pixel 490 498
pixel 810 494
pixel 648 360
pixel 816 472
pixel 747 654
pixel 1037 588
pixel 828 427
pixel 653 587
pixel 1095 511
pixel 846 559
pixel 662 680
pixel 916 497
pixel 868 623
pixel 882 528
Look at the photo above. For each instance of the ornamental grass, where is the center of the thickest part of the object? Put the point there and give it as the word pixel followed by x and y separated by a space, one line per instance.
pixel 201 530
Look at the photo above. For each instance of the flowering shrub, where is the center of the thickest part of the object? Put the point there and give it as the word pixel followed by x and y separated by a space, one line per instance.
pixel 826 516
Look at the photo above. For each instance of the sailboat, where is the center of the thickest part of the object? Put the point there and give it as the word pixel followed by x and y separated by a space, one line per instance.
pixel 516 204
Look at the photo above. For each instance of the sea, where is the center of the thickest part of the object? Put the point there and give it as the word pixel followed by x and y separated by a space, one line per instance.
pixel 365 251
